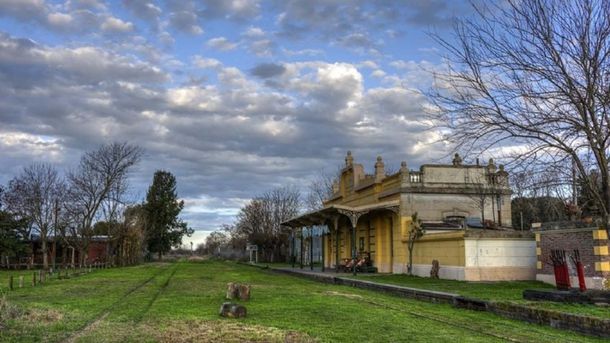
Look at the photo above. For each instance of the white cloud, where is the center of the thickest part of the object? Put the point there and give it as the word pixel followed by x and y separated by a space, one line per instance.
pixel 221 43
pixel 113 24
pixel 378 73
pixel 205 63
pixel 60 19
pixel 254 32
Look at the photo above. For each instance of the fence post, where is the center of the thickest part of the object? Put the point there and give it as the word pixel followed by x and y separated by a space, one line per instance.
pixel 20 281
pixel 10 283
pixel 34 279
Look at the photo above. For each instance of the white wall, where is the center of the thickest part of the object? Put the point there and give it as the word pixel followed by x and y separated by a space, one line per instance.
pixel 500 253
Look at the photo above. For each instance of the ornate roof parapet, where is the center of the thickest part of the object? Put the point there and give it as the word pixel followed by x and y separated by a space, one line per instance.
pixel 379 169
pixel 349 159
pixel 491 166
pixel 403 167
pixel 405 179
pixel 336 186
pixel 457 160
pixel 502 177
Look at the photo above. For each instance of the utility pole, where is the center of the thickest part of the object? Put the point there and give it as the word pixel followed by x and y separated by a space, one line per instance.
pixel 54 254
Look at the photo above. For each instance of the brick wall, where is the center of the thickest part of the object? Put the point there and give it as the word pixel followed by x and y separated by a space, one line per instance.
pixel 97 252
pixel 592 244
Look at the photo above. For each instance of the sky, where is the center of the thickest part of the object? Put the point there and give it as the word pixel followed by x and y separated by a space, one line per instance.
pixel 234 97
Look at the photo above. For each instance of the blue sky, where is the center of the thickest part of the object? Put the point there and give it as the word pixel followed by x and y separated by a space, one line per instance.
pixel 234 97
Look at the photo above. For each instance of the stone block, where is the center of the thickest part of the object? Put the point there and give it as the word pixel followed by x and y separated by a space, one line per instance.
pixel 232 310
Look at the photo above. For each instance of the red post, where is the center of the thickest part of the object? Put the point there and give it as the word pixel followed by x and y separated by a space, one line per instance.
pixel 581 276
pixel 566 275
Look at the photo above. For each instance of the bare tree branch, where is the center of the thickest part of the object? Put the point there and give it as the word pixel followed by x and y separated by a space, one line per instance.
pixel 530 79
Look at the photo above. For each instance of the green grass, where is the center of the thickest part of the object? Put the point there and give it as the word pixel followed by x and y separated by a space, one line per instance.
pixel 501 291
pixel 180 301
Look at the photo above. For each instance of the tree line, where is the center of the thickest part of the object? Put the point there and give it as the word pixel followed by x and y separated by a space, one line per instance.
pixel 89 200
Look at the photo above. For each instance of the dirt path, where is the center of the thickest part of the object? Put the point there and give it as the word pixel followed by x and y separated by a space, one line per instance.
pixel 95 322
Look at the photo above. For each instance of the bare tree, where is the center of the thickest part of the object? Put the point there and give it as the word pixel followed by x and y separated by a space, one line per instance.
pixel 480 196
pixel 213 241
pixel 35 194
pixel 100 174
pixel 260 220
pixel 531 78
pixel 320 189
pixel 416 231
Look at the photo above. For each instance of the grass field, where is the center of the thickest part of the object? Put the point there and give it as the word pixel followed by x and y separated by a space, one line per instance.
pixel 179 302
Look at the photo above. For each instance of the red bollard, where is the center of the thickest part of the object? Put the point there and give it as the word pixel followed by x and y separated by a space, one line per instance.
pixel 581 276
pixel 566 275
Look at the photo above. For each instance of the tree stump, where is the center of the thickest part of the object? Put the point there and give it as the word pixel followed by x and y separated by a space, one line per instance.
pixel 232 310
pixel 435 269
pixel 238 291
pixel 244 292
pixel 232 290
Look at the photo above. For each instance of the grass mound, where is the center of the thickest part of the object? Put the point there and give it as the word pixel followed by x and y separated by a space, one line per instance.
pixel 35 316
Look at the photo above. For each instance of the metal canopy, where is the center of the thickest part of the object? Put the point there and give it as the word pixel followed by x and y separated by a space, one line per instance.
pixel 320 217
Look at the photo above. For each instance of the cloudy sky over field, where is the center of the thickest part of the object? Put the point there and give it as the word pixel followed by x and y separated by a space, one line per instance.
pixel 234 97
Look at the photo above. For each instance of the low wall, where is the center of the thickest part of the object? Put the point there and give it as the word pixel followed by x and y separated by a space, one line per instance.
pixel 406 292
pixel 477 255
pixel 592 326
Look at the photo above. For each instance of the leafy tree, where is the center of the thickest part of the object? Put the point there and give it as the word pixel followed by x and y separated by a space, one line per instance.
pixel 164 229
pixel 537 210
pixel 12 232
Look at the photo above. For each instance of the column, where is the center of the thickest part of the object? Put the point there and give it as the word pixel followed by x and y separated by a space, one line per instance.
pixel 293 255
pixel 311 249
pixel 301 262
pixel 323 252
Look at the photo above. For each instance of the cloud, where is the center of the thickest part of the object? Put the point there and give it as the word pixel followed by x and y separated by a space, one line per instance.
pixel 143 9
pixel 228 129
pixel 85 4
pixel 59 19
pixel 221 43
pixel 254 32
pixel 230 9
pixel 206 63
pixel 355 24
pixel 112 24
pixel 268 70
pixel 185 21
pixel 23 9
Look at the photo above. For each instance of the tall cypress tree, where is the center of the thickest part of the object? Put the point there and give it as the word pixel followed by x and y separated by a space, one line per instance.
pixel 164 229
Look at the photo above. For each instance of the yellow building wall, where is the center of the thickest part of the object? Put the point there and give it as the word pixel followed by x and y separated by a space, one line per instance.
pixel 447 248
pixel 382 253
